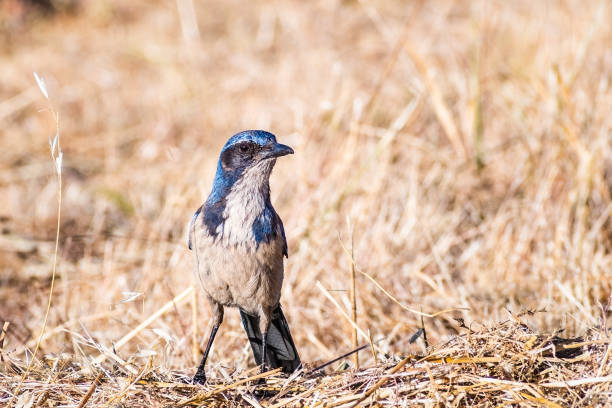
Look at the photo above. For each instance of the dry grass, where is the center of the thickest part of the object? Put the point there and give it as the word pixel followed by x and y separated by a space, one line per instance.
pixel 469 145
pixel 508 364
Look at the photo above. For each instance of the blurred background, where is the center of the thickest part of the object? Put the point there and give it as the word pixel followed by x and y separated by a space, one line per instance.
pixel 463 148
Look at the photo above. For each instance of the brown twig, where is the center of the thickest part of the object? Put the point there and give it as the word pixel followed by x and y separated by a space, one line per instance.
pixel 332 361
pixel 2 335
pixel 382 381
pixel 91 390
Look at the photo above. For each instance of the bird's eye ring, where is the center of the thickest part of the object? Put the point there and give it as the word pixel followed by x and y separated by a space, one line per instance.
pixel 244 148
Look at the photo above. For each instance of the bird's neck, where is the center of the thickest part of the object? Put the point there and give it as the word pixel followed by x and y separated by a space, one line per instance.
pixel 251 191
pixel 243 202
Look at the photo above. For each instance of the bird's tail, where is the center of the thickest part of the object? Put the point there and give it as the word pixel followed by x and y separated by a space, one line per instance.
pixel 280 350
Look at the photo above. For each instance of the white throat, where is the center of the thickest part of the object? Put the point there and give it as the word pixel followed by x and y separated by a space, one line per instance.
pixel 245 201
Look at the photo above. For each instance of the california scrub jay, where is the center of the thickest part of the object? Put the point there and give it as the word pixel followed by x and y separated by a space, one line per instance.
pixel 239 242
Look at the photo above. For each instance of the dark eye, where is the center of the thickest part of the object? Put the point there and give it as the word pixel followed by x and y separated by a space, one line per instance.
pixel 245 148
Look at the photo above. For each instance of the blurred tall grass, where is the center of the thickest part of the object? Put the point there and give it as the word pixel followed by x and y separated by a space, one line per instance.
pixel 470 144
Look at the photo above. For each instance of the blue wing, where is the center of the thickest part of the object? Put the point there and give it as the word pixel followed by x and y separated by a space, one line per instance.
pixel 190 230
pixel 282 230
pixel 267 226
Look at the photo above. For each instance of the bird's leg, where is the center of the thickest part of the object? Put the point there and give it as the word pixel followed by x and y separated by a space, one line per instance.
pixel 217 311
pixel 263 352
pixel 200 376
pixel 264 324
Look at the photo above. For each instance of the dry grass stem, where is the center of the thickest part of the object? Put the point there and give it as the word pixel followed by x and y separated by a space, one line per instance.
pixel 353 299
pixel 144 324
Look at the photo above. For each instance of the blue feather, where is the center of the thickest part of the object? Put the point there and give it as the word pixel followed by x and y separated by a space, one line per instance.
pixel 260 137
pixel 266 225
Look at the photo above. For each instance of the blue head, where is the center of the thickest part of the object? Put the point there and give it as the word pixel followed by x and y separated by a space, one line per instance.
pixel 241 152
pixel 242 183
pixel 248 155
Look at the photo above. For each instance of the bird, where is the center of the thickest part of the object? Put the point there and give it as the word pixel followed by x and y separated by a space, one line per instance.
pixel 239 242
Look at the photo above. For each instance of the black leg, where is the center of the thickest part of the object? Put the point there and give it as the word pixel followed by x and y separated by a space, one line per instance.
pixel 263 352
pixel 200 376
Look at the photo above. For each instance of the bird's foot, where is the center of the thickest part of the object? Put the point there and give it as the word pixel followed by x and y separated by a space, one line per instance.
pixel 199 378
pixel 262 390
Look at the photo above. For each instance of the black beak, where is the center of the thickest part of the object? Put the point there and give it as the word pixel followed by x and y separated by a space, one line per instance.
pixel 279 150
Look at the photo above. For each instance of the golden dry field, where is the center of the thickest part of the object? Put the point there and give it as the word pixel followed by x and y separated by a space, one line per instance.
pixel 461 151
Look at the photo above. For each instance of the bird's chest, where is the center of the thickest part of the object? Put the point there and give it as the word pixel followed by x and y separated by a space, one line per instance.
pixel 240 275
pixel 242 209
pixel 236 265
